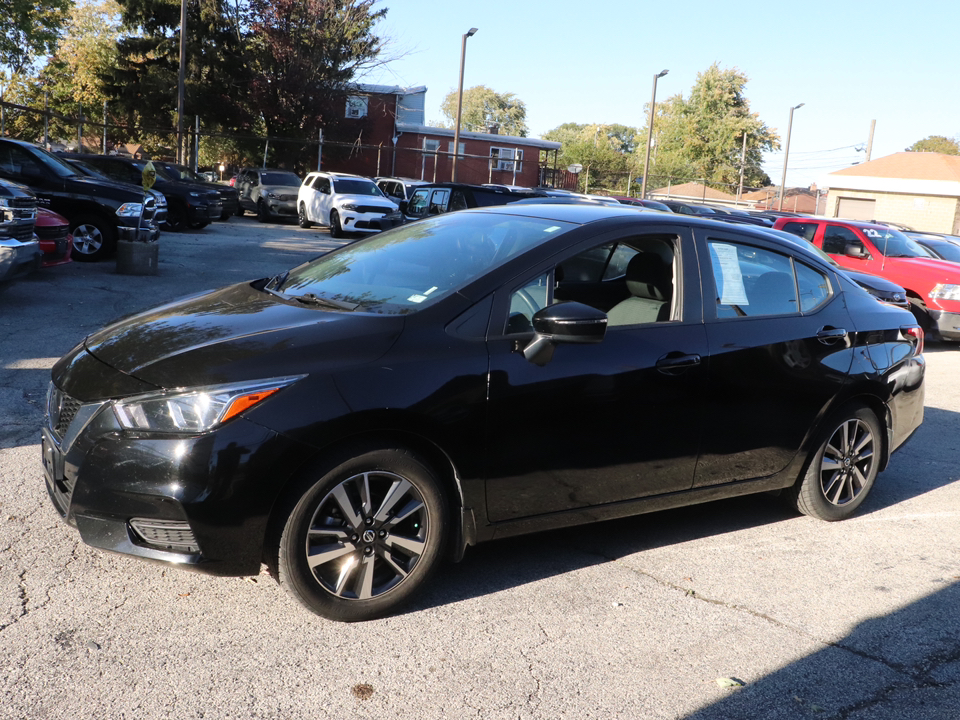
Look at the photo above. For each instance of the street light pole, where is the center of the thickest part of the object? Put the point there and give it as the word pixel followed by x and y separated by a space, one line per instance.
pixel 456 133
pixel 181 80
pixel 646 160
pixel 786 156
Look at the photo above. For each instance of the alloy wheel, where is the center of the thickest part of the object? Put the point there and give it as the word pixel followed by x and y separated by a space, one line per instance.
pixel 87 239
pixel 848 459
pixel 367 535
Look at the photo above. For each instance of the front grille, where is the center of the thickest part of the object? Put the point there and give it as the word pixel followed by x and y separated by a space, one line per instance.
pixel 22 202
pixel 61 410
pixel 53 232
pixel 376 209
pixel 172 535
pixel 22 231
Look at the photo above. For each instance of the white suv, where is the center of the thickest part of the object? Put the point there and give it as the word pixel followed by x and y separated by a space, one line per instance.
pixel 345 203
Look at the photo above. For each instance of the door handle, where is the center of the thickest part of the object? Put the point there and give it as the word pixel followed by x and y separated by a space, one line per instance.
pixel 829 335
pixel 676 362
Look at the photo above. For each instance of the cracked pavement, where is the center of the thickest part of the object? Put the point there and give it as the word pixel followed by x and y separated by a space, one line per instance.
pixel 637 618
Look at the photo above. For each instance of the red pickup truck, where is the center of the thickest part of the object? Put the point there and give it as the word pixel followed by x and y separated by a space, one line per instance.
pixel 933 286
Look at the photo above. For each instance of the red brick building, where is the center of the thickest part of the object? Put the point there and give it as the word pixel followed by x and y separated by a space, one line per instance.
pixel 391 139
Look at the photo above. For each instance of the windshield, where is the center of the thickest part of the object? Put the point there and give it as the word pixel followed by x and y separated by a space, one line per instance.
pixel 355 186
pixel 178 172
pixel 413 266
pixel 279 178
pixel 57 165
pixel 894 243
pixel 157 167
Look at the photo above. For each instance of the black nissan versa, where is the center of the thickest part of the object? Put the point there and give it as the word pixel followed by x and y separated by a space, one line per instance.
pixel 361 418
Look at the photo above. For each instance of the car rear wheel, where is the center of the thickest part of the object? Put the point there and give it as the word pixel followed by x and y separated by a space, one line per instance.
pixel 302 216
pixel 844 467
pixel 336 230
pixel 239 211
pixel 176 218
pixel 365 536
pixel 92 238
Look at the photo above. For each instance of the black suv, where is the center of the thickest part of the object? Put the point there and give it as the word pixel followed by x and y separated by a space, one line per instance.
pixel 95 208
pixel 19 250
pixel 188 204
pixel 181 173
pixel 448 197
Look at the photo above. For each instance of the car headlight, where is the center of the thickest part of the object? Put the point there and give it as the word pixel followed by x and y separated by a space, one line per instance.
pixel 161 200
pixel 197 409
pixel 130 210
pixel 349 206
pixel 196 194
pixel 943 291
pixel 273 196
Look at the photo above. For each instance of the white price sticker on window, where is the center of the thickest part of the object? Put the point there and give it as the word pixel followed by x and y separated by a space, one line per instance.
pixel 733 292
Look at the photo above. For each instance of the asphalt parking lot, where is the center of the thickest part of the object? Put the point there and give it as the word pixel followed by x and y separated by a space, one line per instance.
pixel 735 609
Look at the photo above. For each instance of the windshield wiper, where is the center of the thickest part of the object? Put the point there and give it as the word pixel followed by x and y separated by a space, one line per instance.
pixel 311 299
pixel 277 280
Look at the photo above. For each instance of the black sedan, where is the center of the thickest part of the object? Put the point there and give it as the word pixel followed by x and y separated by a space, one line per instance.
pixel 480 374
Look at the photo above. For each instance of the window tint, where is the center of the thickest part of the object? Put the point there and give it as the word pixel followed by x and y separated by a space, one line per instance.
pixel 804 230
pixel 751 281
pixel 458 201
pixel 617 267
pixel 356 186
pixel 526 301
pixel 588 266
pixel 814 287
pixel 836 238
pixel 418 203
pixel 438 202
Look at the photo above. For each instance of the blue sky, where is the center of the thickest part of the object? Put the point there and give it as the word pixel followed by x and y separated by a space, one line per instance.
pixel 594 62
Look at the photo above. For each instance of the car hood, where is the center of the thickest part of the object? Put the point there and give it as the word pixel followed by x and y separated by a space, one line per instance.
pixel 239 333
pixel 874 281
pixel 368 200
pixel 937 270
pixel 280 189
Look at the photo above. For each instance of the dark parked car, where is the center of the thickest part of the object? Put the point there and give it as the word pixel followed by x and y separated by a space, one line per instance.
pixel 642 202
pixel 85 168
pixel 937 246
pixel 229 198
pixel 189 205
pixel 441 198
pixel 20 252
pixel 477 375
pixel 95 208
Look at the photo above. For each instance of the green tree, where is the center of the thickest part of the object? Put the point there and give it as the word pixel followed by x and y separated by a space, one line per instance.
pixel 29 30
pixel 605 151
pixel 483 107
pixel 936 143
pixel 700 138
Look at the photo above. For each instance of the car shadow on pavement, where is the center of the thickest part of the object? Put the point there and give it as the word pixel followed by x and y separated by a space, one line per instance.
pixel 905 664
pixel 926 463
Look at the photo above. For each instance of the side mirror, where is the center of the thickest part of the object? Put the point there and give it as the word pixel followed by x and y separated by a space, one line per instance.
pixel 402 205
pixel 564 323
pixel 854 250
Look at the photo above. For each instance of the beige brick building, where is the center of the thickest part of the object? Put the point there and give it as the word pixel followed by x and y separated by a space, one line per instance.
pixel 917 189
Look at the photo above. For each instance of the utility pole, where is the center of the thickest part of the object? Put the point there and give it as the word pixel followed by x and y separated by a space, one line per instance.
pixel 743 162
pixel 181 93
pixel 873 125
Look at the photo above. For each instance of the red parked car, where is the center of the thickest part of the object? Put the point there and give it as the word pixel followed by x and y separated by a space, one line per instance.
pixel 56 240
pixel 932 285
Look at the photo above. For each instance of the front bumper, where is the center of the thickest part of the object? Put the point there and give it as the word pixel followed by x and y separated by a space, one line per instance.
pixel 19 258
pixel 947 324
pixel 210 494
pixel 281 208
pixel 369 222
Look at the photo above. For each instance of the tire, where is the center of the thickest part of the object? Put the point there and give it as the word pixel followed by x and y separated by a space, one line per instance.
pixel 239 211
pixel 302 216
pixel 922 316
pixel 372 556
pixel 263 215
pixel 843 468
pixel 93 238
pixel 176 218
pixel 336 229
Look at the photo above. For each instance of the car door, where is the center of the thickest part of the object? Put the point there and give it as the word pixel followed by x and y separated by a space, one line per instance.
pixel 780 349
pixel 321 199
pixel 604 422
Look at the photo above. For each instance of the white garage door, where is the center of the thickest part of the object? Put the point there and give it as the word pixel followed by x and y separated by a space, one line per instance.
pixel 856 209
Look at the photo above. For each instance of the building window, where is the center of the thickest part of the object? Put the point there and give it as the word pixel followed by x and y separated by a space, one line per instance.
pixel 430 146
pixel 357 106
pixel 503 158
pixel 450 149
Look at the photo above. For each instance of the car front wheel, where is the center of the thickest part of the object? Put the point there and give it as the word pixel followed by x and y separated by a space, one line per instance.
pixel 263 215
pixel 365 536
pixel 302 216
pixel 336 230
pixel 844 467
pixel 92 238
